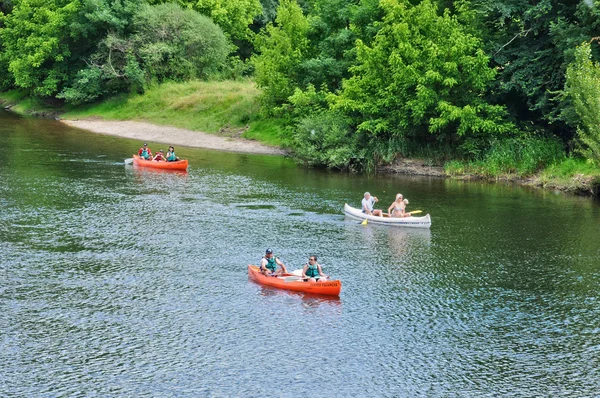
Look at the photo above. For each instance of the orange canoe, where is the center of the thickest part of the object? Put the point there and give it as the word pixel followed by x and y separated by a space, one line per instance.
pixel 289 282
pixel 176 165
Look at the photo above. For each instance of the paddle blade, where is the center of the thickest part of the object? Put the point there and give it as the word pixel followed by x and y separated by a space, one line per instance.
pixel 293 279
pixel 128 160
pixel 364 222
pixel 416 211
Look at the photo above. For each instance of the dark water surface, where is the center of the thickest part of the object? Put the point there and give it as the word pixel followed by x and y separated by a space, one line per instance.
pixel 117 281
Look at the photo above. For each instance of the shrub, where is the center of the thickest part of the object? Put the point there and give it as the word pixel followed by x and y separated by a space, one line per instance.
pixel 324 140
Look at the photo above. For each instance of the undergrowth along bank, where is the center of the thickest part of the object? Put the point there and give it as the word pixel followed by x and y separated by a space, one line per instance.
pixel 233 108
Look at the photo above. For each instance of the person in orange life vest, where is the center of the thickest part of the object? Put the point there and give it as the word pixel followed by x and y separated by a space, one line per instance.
pixel 145 152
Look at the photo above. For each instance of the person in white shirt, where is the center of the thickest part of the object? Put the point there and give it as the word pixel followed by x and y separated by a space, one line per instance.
pixel 367 205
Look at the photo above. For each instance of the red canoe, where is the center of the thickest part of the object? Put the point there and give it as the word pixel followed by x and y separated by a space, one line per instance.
pixel 290 282
pixel 176 165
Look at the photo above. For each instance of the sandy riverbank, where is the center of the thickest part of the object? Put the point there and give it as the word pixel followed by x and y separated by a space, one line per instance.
pixel 147 132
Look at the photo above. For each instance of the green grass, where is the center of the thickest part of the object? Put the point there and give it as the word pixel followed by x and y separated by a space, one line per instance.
pixel 267 131
pixel 511 158
pixel 569 168
pixel 20 103
pixel 194 105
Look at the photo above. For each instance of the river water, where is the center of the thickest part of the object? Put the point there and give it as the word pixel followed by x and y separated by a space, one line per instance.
pixel 119 281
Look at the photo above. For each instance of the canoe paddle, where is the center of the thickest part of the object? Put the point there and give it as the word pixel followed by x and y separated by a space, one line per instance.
pixel 293 278
pixel 364 222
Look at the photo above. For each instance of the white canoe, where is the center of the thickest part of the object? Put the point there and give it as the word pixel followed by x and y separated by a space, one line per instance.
pixel 414 222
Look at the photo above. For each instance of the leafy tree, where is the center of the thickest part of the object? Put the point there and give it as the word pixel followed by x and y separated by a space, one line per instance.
pixel 179 44
pixel 167 43
pixel 583 88
pixel 234 17
pixel 46 42
pixel 329 53
pixel 531 43
pixel 424 74
pixel 35 40
pixel 269 12
pixel 320 137
pixel 280 49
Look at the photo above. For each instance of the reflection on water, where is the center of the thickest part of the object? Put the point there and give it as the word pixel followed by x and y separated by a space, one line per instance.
pixel 308 300
pixel 119 281
pixel 141 170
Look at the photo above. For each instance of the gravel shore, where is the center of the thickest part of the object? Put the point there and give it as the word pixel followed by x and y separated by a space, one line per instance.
pixel 173 136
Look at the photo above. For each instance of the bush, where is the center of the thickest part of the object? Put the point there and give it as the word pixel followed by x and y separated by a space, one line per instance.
pixel 582 88
pixel 168 43
pixel 179 44
pixel 324 140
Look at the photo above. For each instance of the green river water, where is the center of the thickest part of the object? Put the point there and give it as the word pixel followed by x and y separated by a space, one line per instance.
pixel 119 281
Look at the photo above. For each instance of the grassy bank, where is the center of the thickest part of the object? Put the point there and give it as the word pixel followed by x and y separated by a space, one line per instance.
pixel 225 107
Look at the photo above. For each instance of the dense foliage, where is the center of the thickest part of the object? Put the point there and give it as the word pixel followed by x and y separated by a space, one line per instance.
pixel 583 88
pixel 356 82
pixel 424 74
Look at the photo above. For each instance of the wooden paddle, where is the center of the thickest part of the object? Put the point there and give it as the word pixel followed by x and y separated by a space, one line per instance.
pixel 415 212
pixel 364 222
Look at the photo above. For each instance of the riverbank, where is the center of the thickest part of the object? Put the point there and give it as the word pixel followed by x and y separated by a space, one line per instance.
pixel 577 184
pixel 224 117
pixel 225 141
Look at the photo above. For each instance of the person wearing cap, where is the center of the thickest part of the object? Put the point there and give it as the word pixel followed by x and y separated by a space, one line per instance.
pixel 145 152
pixel 367 205
pixel 312 271
pixel 159 156
pixel 269 263
pixel 397 207
pixel 171 155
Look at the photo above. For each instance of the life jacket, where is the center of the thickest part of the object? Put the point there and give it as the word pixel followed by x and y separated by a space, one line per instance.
pixel 145 153
pixel 159 156
pixel 271 264
pixel 312 271
pixel 171 156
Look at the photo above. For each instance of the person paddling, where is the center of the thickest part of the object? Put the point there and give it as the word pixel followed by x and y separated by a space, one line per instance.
pixel 367 205
pixel 145 152
pixel 269 263
pixel 312 271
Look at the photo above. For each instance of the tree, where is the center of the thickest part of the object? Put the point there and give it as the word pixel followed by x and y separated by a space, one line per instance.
pixel 531 43
pixel 423 75
pixel 167 43
pixel 583 88
pixel 280 49
pixel 36 43
pixel 46 43
pixel 234 17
